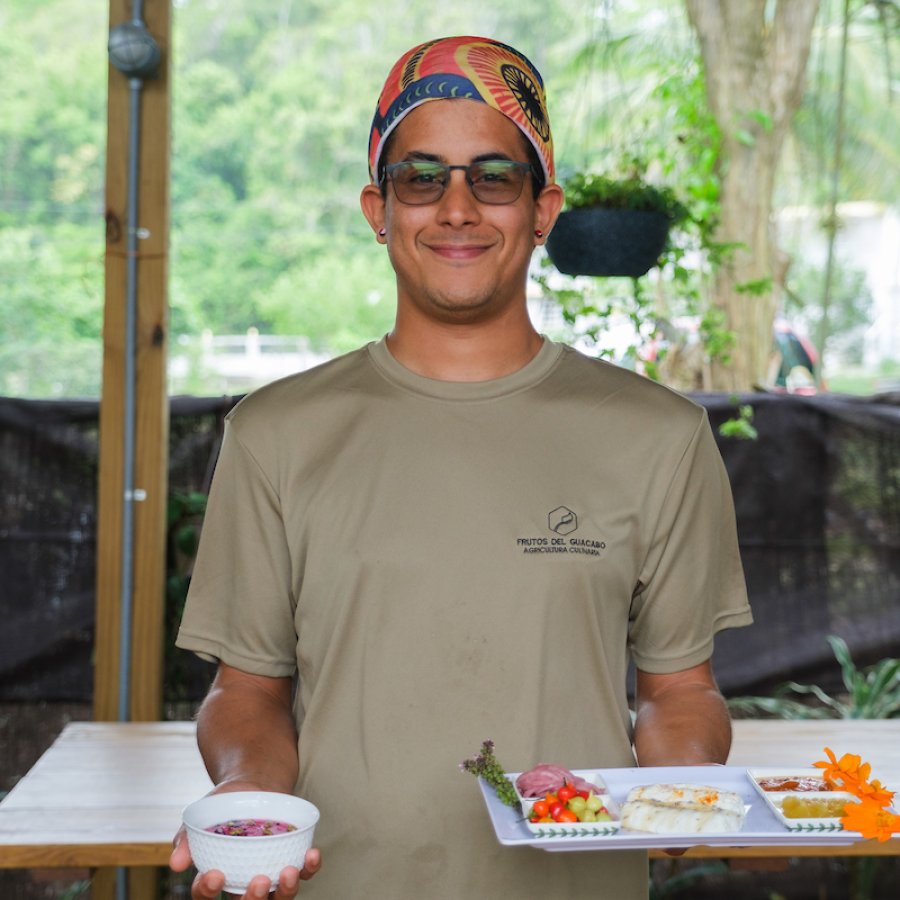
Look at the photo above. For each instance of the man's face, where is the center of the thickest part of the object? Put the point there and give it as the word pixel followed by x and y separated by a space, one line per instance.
pixel 458 259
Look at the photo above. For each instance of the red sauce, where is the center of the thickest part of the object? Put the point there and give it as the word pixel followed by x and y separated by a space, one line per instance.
pixel 794 783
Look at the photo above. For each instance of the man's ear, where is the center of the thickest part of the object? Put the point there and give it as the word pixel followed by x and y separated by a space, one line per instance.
pixel 372 204
pixel 547 207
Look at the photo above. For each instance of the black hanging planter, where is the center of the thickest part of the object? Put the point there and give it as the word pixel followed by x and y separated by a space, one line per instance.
pixel 602 241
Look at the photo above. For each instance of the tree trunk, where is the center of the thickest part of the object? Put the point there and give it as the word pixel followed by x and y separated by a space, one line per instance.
pixel 754 55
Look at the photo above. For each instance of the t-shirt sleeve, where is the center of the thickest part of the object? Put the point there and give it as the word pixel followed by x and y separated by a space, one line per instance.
pixel 240 606
pixel 691 583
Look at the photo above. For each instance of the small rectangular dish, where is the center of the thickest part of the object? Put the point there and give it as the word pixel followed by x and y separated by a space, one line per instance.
pixel 800 799
pixel 575 829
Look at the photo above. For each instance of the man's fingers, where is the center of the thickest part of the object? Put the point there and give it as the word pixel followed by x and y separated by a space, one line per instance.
pixel 208 886
pixel 180 858
pixel 311 864
pixel 290 877
pixel 288 884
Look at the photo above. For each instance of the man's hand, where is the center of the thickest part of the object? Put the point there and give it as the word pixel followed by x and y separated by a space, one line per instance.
pixel 248 740
pixel 209 885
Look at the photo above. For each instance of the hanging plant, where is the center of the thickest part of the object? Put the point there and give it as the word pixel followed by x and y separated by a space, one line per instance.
pixel 612 227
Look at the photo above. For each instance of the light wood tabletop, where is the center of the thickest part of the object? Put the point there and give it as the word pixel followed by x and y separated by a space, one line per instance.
pixel 104 794
pixel 775 742
pixel 111 794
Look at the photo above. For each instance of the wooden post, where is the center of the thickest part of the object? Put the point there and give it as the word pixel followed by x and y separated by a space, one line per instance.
pixel 151 397
pixel 151 400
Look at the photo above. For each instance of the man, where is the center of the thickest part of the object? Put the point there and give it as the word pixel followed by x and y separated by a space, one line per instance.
pixel 459 532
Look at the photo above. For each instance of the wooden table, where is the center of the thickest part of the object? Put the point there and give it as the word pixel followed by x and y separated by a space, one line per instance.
pixel 111 794
pixel 105 795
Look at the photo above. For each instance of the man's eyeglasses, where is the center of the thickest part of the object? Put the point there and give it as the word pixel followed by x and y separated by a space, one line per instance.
pixel 495 181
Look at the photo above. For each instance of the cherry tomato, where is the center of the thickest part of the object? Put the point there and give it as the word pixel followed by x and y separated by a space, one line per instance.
pixel 566 815
pixel 550 797
pixel 566 792
pixel 556 809
pixel 540 808
pixel 584 794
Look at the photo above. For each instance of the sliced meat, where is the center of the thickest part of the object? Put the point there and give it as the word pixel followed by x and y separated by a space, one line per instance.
pixel 548 777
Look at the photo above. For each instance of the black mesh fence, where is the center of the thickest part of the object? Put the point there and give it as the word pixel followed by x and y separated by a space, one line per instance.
pixel 817 497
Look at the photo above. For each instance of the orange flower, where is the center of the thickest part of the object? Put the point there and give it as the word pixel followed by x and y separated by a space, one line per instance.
pixel 870 816
pixel 875 792
pixel 847 772
pixel 871 820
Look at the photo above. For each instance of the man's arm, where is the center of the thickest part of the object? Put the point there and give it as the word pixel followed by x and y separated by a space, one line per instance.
pixel 681 719
pixel 248 740
pixel 246 732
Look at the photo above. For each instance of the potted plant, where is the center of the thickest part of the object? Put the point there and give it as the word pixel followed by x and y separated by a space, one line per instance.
pixel 612 226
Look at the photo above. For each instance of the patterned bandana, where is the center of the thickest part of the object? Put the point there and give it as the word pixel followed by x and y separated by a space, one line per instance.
pixel 470 68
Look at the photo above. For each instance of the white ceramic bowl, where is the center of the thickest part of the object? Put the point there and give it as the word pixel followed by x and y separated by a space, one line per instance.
pixel 239 857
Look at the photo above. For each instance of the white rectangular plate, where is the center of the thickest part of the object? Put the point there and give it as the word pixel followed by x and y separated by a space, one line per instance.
pixel 762 827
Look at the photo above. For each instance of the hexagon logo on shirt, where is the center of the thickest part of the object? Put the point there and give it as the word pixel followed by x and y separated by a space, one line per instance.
pixel 562 520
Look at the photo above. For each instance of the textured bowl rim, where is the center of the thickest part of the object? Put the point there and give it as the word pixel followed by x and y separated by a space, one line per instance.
pixel 308 812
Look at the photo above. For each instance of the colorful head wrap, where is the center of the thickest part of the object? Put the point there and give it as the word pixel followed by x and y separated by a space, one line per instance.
pixel 470 68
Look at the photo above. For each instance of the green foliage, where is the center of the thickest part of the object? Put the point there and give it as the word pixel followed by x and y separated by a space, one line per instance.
pixel 759 287
pixel 271 109
pixel 741 425
pixel 52 135
pixel 745 133
pixel 632 192
pixel 184 516
pixel 597 312
pixel 675 881
pixel 271 116
pixel 76 889
pixel 717 339
pixel 871 693
pixel 53 125
pixel 871 146
pixel 52 302
pixel 667 130
pixel 332 311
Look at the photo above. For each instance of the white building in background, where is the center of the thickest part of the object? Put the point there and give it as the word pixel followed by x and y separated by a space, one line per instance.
pixel 236 364
pixel 868 239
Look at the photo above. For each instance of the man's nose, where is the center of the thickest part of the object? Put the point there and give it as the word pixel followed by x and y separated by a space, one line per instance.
pixel 458 203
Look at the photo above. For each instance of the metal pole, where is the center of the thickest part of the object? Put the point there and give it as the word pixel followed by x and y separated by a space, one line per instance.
pixel 136 70
pixel 126 586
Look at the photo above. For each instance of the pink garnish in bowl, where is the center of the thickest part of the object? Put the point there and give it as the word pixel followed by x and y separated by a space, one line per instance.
pixel 251 827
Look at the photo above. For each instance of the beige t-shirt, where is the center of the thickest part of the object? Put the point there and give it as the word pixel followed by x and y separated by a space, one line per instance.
pixel 446 562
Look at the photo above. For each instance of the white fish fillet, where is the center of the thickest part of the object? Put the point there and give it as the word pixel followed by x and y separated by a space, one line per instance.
pixel 682 808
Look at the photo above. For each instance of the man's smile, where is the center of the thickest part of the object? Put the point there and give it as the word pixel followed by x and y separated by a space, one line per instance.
pixel 461 250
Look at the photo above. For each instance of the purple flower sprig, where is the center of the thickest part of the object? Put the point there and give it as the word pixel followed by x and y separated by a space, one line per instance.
pixel 486 766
